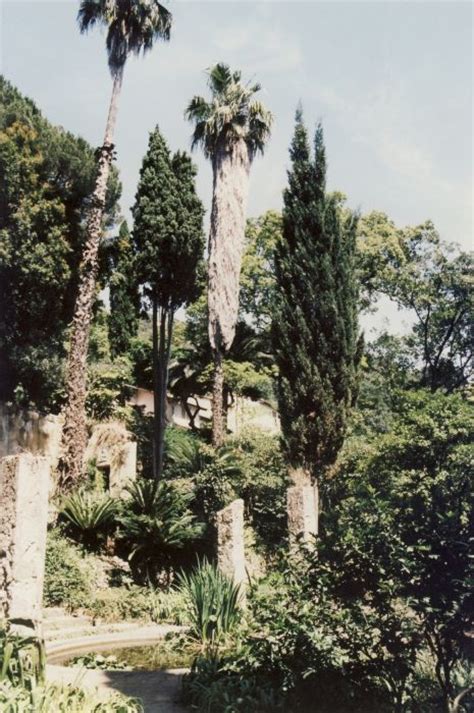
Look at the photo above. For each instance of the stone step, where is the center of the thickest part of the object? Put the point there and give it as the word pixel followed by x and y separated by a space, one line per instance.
pixel 63 622
pixel 52 612
pixel 77 632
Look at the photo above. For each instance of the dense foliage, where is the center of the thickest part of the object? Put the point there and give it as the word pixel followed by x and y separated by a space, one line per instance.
pixel 315 334
pixel 168 241
pixel 374 619
pixel 46 176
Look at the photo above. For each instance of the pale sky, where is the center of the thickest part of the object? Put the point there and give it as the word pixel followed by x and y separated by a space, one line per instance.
pixel 391 81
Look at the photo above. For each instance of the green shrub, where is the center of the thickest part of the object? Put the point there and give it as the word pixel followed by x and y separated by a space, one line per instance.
pixel 99 662
pixel 142 603
pixel 212 685
pixel 213 604
pixel 68 581
pixel 22 659
pixel 262 484
pixel 156 526
pixel 60 698
pixel 88 516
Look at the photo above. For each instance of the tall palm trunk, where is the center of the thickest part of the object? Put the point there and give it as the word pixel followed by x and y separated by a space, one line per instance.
pixel 74 435
pixel 231 167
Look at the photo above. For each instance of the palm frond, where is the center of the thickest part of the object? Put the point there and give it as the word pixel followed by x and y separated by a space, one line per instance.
pixel 231 115
pixel 133 25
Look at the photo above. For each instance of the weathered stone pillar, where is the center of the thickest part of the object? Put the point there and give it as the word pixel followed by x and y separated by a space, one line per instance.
pixel 302 508
pixel 124 471
pixel 24 488
pixel 230 541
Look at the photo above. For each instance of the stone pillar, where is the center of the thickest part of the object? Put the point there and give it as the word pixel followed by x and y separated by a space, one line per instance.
pixel 230 541
pixel 302 508
pixel 125 471
pixel 24 487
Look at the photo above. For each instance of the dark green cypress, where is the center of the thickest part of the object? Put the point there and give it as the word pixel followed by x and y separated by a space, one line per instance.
pixel 123 291
pixel 315 331
pixel 169 244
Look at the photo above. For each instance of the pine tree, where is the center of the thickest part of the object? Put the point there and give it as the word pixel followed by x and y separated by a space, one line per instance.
pixel 169 243
pixel 315 332
pixel 124 299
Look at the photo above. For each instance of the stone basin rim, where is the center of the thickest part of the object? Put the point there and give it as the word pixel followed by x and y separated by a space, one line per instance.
pixel 59 651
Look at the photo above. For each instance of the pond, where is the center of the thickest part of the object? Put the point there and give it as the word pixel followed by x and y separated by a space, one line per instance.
pixel 152 657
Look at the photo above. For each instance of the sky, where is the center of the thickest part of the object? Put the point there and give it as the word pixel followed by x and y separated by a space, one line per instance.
pixel 391 82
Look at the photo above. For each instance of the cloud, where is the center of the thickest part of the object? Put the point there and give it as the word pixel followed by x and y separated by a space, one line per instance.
pixel 382 121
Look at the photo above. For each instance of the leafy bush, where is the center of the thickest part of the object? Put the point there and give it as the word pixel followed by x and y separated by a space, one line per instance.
pixel 62 698
pixel 156 525
pixel 262 484
pixel 88 516
pixel 212 685
pixel 249 466
pixel 22 659
pixel 68 581
pixel 213 604
pixel 387 588
pixel 400 521
pixel 99 662
pixel 119 604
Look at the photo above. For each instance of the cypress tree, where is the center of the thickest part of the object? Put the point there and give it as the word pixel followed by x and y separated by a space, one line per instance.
pixel 124 299
pixel 314 330
pixel 169 243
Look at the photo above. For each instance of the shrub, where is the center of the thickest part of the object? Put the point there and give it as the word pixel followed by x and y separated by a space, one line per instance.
pixel 62 698
pixel 67 576
pixel 156 525
pixel 119 604
pixel 213 604
pixel 88 516
pixel 212 685
pixel 22 659
pixel 262 484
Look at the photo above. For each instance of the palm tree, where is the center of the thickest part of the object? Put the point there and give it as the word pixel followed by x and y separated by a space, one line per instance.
pixel 132 27
pixel 231 128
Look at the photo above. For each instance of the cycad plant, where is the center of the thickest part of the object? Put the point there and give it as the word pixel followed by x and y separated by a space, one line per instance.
pixel 89 516
pixel 132 27
pixel 155 525
pixel 213 601
pixel 232 127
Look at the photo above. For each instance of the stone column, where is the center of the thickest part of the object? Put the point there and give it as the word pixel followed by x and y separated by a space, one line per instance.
pixel 230 541
pixel 24 487
pixel 125 471
pixel 302 508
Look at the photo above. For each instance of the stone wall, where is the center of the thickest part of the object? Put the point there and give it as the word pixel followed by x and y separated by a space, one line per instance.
pixel 24 489
pixel 23 430
pixel 230 541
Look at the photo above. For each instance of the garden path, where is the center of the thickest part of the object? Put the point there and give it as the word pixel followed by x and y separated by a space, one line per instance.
pixel 158 690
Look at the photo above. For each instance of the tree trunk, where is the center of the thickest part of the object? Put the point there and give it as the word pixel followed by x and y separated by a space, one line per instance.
pixel 74 435
pixel 218 414
pixel 161 357
pixel 156 378
pixel 231 167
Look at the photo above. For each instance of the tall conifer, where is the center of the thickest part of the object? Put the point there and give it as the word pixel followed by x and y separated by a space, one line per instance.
pixel 124 299
pixel 315 333
pixel 169 243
